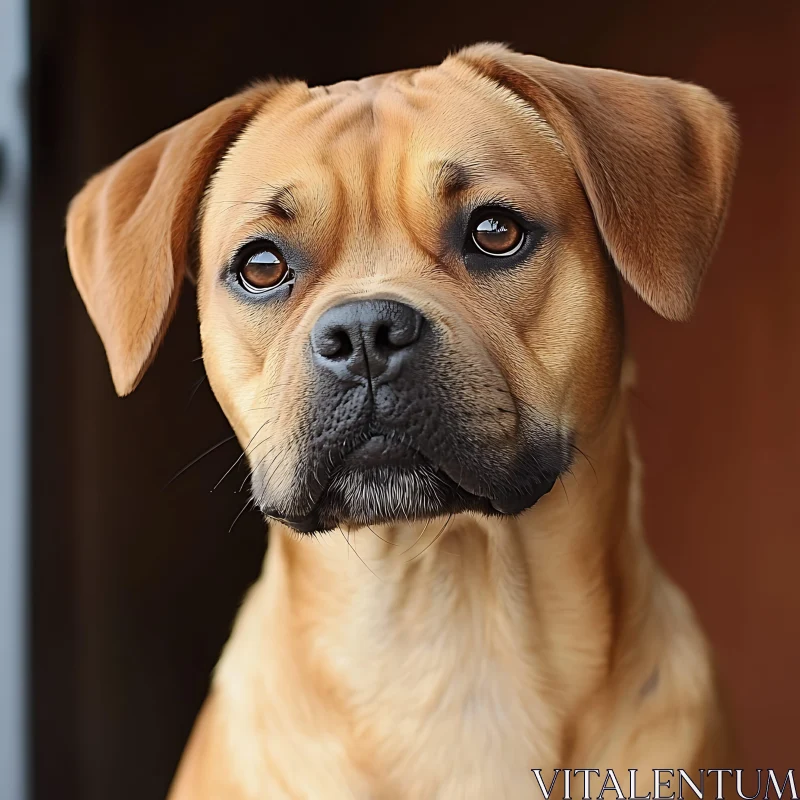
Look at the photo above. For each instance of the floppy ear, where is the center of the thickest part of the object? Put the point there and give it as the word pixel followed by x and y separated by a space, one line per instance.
pixel 129 231
pixel 656 159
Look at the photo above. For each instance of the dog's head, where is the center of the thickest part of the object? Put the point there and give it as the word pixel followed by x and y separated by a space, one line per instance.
pixel 407 285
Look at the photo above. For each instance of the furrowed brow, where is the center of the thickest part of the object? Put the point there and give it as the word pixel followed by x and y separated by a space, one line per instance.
pixel 282 204
pixel 451 179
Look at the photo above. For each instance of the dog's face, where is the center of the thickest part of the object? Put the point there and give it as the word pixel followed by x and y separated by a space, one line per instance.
pixel 406 285
pixel 400 316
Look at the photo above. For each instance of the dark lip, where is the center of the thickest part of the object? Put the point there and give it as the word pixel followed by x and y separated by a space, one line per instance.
pixel 382 450
pixel 379 450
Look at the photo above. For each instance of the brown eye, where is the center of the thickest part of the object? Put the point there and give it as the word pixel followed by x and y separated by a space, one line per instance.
pixel 497 234
pixel 264 270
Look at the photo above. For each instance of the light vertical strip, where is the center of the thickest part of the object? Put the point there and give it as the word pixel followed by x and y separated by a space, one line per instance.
pixel 13 394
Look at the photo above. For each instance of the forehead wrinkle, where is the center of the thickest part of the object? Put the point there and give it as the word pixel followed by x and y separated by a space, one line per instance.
pixel 338 225
pixel 408 92
pixel 282 204
pixel 371 180
pixel 407 218
pixel 451 178
pixel 342 115
pixel 350 140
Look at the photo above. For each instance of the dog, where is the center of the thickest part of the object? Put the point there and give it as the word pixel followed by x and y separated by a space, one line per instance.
pixel 409 293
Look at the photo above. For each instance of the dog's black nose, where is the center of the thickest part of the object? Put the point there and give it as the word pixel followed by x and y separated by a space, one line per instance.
pixel 366 338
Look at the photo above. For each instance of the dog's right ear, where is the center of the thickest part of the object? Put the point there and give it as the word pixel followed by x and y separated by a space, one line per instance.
pixel 129 230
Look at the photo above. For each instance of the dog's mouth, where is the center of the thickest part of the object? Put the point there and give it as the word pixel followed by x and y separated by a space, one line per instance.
pixel 385 480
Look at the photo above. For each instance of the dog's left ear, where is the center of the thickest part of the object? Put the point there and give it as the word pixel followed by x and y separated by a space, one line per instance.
pixel 656 159
pixel 129 230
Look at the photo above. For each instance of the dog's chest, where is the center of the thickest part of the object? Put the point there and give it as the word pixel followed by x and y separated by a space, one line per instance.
pixel 463 735
pixel 445 710
pixel 427 688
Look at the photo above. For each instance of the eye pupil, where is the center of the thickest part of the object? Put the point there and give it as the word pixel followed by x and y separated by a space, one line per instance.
pixel 497 234
pixel 264 270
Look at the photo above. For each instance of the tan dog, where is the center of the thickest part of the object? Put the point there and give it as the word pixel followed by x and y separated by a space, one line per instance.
pixel 410 313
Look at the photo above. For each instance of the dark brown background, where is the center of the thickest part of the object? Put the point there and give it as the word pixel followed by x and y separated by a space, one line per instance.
pixel 135 585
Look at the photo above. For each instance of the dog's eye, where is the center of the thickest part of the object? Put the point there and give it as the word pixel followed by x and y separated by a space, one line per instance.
pixel 497 234
pixel 264 270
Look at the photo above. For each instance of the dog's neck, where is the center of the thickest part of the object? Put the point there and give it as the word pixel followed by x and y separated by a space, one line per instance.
pixel 411 624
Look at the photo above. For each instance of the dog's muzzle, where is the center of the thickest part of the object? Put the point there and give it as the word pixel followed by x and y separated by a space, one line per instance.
pixel 389 433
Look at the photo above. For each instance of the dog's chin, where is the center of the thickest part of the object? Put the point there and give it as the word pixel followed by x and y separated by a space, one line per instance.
pixel 381 483
pixel 385 494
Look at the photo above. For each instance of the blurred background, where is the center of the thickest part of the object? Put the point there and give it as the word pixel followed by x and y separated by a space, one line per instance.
pixel 118 588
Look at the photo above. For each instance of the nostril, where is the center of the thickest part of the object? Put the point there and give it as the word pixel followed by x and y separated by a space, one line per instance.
pixel 403 333
pixel 335 344
pixel 383 337
pixel 344 343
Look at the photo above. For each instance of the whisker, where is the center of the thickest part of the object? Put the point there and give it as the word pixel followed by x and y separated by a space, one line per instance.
pixel 422 533
pixel 273 466
pixel 431 542
pixel 563 486
pixel 195 389
pixel 241 456
pixel 588 460
pixel 243 509
pixel 199 458
pixel 252 471
pixel 358 556
pixel 393 544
